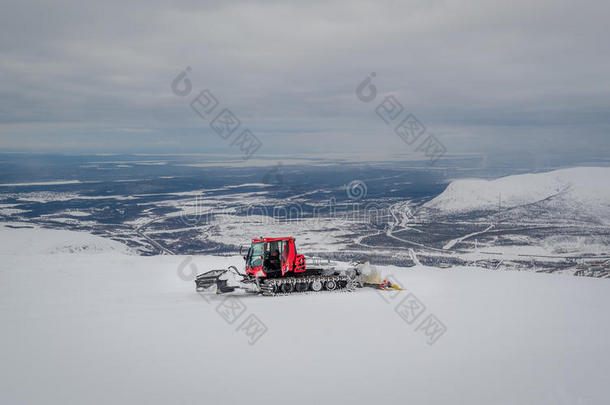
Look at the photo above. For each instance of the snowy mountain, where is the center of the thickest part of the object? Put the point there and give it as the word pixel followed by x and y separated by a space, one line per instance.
pixel 581 190
pixel 120 328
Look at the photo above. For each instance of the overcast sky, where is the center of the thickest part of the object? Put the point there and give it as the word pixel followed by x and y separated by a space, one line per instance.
pixel 482 76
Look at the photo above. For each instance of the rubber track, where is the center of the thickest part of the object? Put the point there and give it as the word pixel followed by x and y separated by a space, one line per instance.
pixel 273 286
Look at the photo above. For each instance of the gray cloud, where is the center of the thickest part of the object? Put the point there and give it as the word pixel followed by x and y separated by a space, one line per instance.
pixel 530 75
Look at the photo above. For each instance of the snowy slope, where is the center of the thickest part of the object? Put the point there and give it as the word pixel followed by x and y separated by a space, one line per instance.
pixel 124 329
pixel 584 188
pixel 34 240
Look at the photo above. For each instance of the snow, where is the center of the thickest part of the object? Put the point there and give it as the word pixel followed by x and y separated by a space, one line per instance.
pixel 559 246
pixel 120 328
pixel 12 211
pixel 41 183
pixel 582 187
pixel 453 242
pixel 320 233
pixel 49 196
pixel 76 213
pixel 39 241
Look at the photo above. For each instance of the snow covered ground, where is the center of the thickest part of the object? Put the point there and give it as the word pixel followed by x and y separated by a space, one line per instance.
pixel 578 188
pixel 101 325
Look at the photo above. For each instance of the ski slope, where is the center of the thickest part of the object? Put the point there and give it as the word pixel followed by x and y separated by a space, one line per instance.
pixel 102 325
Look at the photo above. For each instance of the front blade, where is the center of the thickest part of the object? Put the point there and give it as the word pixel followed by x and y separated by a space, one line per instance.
pixel 207 279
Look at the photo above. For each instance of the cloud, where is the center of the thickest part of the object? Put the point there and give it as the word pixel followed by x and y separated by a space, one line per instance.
pixel 481 75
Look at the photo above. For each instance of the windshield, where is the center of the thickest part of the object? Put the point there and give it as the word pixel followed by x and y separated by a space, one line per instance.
pixel 255 255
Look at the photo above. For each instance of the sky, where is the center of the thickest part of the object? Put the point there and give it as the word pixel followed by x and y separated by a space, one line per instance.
pixel 483 77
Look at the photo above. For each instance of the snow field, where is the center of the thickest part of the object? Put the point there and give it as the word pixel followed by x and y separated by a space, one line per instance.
pixel 112 327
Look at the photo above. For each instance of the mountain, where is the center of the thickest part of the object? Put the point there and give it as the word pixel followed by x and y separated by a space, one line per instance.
pixel 581 192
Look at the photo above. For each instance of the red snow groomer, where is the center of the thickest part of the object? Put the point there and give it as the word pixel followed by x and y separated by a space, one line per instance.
pixel 273 257
pixel 274 267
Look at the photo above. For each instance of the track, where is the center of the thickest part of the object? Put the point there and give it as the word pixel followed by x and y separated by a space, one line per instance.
pixel 289 285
